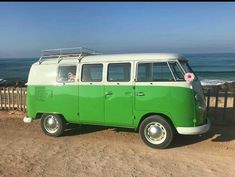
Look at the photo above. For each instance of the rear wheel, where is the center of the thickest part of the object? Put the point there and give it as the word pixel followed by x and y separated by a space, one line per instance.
pixel 52 124
pixel 156 132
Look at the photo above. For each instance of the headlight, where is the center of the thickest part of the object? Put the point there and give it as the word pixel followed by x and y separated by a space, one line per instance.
pixel 197 97
pixel 202 108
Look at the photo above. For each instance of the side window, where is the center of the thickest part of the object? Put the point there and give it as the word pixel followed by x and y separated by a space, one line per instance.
pixel 119 72
pixel 144 72
pixel 150 72
pixel 92 72
pixel 66 73
pixel 161 72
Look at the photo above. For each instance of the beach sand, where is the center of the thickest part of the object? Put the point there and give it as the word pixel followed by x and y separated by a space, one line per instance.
pixel 100 151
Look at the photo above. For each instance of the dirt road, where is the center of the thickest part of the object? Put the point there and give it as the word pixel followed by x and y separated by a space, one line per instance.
pixel 99 151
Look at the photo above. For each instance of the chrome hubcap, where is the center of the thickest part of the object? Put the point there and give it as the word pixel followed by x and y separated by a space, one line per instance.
pixel 51 124
pixel 155 133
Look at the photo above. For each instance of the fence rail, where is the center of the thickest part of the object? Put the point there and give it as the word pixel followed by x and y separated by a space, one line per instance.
pixel 220 102
pixel 13 98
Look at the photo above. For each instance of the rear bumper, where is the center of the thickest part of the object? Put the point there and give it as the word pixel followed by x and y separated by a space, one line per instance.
pixel 27 119
pixel 194 130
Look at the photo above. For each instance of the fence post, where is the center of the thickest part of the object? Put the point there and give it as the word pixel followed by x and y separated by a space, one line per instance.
pixel 208 102
pixel 24 99
pixel 21 99
pixel 4 98
pixel 1 97
pixel 8 98
pixel 234 102
pixel 18 98
pixel 225 102
pixel 216 100
pixel 12 97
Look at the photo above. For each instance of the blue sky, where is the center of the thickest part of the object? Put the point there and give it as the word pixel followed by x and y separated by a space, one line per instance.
pixel 116 27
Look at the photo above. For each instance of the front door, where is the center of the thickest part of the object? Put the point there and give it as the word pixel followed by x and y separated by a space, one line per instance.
pixel 119 95
pixel 152 90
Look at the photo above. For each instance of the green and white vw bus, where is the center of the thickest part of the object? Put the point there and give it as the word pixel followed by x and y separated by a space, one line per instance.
pixel 156 94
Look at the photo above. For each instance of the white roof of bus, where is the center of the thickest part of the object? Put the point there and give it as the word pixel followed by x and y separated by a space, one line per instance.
pixel 131 57
pixel 118 57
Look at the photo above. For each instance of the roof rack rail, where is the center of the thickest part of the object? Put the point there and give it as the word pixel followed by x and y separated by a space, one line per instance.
pixel 59 54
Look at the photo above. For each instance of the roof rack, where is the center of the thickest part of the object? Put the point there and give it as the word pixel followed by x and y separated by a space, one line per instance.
pixel 61 53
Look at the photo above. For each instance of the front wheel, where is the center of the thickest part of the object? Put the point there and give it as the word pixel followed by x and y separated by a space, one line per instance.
pixel 156 132
pixel 52 124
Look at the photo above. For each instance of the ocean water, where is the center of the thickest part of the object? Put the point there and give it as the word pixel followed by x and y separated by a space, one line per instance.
pixel 14 69
pixel 211 69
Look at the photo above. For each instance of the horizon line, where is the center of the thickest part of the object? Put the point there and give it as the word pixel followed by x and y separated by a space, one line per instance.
pixel 193 53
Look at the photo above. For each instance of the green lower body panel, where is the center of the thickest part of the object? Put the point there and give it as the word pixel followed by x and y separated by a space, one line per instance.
pixel 119 106
pixel 53 99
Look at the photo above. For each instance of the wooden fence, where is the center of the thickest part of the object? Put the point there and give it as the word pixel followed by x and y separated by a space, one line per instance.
pixel 13 98
pixel 220 102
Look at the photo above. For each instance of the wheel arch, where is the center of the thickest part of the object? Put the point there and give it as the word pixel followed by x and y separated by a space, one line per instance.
pixel 40 114
pixel 166 117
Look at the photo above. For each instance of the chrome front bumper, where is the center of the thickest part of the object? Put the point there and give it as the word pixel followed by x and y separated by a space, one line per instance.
pixel 194 130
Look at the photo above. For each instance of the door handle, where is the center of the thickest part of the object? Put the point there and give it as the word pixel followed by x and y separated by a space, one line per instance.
pixel 140 94
pixel 108 93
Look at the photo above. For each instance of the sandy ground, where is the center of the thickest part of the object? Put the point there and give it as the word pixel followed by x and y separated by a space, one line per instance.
pixel 99 151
